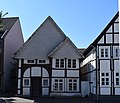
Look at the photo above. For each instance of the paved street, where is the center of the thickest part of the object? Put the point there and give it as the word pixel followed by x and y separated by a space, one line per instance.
pixel 60 100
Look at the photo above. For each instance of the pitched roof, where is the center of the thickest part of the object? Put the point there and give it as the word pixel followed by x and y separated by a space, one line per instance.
pixel 8 23
pixel 94 44
pixel 67 51
pixel 48 33
pixel 81 50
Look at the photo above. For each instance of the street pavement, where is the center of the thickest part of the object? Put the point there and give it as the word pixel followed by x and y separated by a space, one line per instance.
pixel 102 99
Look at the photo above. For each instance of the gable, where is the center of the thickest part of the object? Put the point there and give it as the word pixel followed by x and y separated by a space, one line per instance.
pixel 42 42
pixel 66 50
pixel 111 35
pixel 111 31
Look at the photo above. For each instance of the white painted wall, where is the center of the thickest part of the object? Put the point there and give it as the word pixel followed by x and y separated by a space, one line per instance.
pixel 109 38
pixel 116 38
pixel 105 91
pixel 36 71
pixel 58 73
pixel 27 73
pixel 72 73
pixel 101 40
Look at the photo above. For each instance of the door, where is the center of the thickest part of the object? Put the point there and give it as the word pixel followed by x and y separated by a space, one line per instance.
pixel 36 89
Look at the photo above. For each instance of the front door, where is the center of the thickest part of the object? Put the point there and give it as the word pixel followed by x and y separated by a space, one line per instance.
pixel 36 89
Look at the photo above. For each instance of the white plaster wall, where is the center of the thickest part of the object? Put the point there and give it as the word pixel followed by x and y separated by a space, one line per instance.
pixel 105 65
pixel 53 63
pixel 117 91
pixel 110 29
pixel 109 38
pixel 18 83
pixel 64 94
pixel 117 20
pixel 116 27
pixel 58 73
pixel 116 38
pixel 26 91
pixel 45 91
pixel 19 63
pixel 19 73
pixel 72 73
pixel 18 92
pixel 27 73
pixel 117 65
pixel 101 40
pixel 105 91
pixel 36 71
pixel 45 73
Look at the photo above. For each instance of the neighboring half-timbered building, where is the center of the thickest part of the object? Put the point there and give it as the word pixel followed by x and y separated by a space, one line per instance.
pixel 11 39
pixel 48 63
pixel 101 65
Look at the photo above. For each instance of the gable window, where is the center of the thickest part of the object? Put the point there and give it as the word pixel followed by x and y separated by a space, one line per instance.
pixel 57 62
pixel 74 63
pixel 102 52
pixel 69 63
pixel 62 63
pixel 106 52
pixel 42 61
pixel 30 61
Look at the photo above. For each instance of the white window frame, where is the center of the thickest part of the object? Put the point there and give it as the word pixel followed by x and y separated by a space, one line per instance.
pixel 60 63
pixel 105 79
pixel 104 52
pixel 117 77
pixel 45 80
pixel 71 63
pixel 72 82
pixel 30 61
pixel 24 84
pixel 57 85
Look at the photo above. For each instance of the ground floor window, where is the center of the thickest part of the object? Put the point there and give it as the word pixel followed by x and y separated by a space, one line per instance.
pixel 58 85
pixel 72 84
pixel 105 80
pixel 26 81
pixel 45 82
pixel 117 79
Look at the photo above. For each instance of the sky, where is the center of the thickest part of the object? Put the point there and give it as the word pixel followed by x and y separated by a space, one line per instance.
pixel 81 20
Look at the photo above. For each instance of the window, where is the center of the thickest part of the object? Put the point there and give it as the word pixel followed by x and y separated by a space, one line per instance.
pixel 116 52
pixel 72 85
pixel 45 82
pixel 57 62
pixel 105 79
pixel 74 63
pixel 62 63
pixel 30 61
pixel 42 61
pixel 106 52
pixel 102 52
pixel 117 81
pixel 26 82
pixel 69 63
pixel 58 85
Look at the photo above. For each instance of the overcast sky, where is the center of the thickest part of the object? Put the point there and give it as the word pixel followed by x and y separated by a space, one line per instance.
pixel 81 20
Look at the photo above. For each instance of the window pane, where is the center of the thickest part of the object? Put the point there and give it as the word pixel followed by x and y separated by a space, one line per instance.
pixel 57 62
pixel 106 52
pixel 103 74
pixel 75 86
pixel 74 63
pixel 102 52
pixel 62 63
pixel 45 82
pixel 69 63
pixel 30 61
pixel 107 74
pixel 26 82
pixel 116 51
pixel 117 74
pixel 117 81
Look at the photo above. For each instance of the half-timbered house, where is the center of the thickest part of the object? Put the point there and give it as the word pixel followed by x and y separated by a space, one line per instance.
pixel 48 63
pixel 101 65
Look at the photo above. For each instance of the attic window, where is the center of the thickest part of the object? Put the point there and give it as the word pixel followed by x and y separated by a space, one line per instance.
pixel 42 61
pixel 30 61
